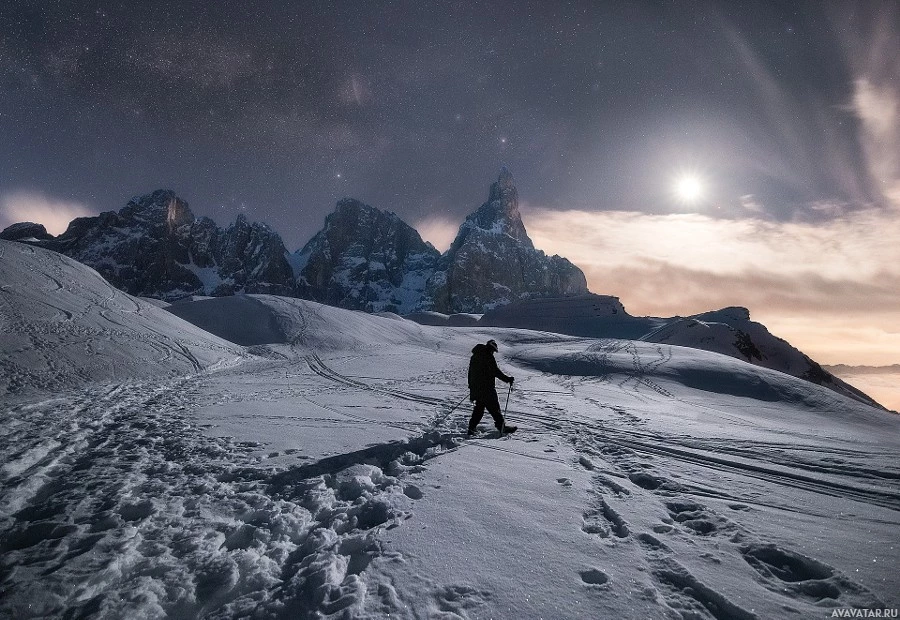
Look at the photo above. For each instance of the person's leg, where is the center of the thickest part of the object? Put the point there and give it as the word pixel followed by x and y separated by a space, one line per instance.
pixel 477 414
pixel 493 407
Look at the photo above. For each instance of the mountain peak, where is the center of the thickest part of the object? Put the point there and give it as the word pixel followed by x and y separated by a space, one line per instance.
pixel 499 215
pixel 365 259
pixel 504 188
pixel 492 261
pixel 161 205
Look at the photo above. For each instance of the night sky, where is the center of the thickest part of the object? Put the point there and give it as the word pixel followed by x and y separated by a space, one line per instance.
pixel 774 121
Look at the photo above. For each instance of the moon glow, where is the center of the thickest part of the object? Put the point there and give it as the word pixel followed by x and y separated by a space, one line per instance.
pixel 688 188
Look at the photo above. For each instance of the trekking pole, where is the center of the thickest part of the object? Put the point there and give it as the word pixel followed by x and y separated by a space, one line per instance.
pixel 503 427
pixel 454 407
pixel 447 415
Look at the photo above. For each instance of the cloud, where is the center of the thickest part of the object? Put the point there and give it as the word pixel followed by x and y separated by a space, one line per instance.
pixel 830 288
pixel 878 107
pixel 356 89
pixel 749 202
pixel 29 206
pixel 871 39
pixel 883 388
pixel 437 229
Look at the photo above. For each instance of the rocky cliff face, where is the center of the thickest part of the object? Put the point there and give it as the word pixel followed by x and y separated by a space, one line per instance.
pixel 363 259
pixel 371 260
pixel 155 247
pixel 25 231
pixel 366 259
pixel 493 262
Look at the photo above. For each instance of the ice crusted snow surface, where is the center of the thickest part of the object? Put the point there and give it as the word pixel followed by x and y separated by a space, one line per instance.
pixel 325 476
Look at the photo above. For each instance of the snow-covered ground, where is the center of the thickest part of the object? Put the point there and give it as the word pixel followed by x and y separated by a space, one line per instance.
pixel 62 325
pixel 320 471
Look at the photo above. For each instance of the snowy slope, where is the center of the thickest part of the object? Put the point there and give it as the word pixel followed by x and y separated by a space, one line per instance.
pixel 728 331
pixel 326 477
pixel 63 325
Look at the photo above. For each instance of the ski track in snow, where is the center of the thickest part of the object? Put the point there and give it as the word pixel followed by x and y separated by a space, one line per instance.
pixel 624 459
pixel 115 504
pixel 124 509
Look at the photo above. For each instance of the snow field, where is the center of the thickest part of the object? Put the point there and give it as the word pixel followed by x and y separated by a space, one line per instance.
pixel 131 512
pixel 645 545
pixel 325 475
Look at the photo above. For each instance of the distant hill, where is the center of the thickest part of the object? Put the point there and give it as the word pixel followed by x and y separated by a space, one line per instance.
pixel 728 331
pixel 844 369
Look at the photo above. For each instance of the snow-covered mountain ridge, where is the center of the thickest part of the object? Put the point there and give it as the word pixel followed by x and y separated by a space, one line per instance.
pixel 156 247
pixel 492 261
pixel 368 259
pixel 363 258
pixel 371 260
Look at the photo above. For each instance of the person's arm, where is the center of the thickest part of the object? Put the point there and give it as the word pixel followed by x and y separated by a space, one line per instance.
pixel 499 374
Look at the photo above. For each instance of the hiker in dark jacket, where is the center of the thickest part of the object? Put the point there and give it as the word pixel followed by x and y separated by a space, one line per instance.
pixel 482 372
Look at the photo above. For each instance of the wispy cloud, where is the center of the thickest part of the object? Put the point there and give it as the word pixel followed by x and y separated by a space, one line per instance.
pixel 878 107
pixel 30 206
pixel 872 56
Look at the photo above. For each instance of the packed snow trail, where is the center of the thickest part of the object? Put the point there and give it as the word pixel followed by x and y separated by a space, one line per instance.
pixel 123 508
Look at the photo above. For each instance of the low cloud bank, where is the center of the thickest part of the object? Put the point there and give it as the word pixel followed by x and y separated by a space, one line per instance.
pixel 28 206
pixel 832 288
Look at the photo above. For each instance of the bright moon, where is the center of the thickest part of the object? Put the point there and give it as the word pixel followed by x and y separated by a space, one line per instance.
pixel 689 188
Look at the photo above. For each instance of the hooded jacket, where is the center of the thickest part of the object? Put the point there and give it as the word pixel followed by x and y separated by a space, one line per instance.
pixel 482 372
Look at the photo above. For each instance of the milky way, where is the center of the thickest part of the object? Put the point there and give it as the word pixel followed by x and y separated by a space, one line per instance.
pixel 281 108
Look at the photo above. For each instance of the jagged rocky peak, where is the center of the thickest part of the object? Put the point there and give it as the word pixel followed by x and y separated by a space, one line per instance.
pixel 366 229
pixel 731 313
pixel 155 247
pixel 493 262
pixel 366 259
pixel 355 217
pixel 500 214
pixel 162 205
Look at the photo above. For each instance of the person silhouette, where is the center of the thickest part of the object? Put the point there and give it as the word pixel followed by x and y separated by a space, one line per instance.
pixel 483 370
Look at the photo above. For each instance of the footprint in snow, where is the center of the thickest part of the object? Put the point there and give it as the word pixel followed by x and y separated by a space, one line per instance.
pixel 794 574
pixel 593 577
pixel 693 516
